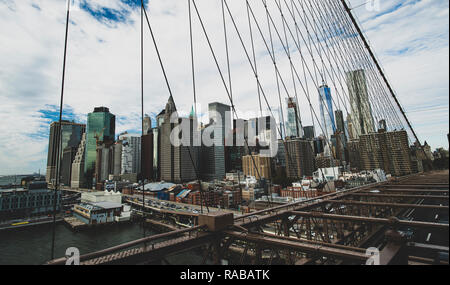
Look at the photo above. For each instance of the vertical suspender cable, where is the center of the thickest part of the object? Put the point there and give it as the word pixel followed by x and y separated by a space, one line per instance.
pixel 59 129
pixel 195 102
pixel 142 116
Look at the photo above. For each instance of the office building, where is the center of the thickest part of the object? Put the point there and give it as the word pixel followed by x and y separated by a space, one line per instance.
pixel 70 136
pixel 131 153
pixel 386 150
pixel 178 163
pixel 299 158
pixel 66 164
pixel 294 126
pixel 326 111
pixel 319 145
pixel 101 128
pixel 340 124
pixel 257 166
pixel 104 165
pixel 77 177
pixel 362 118
pixel 354 156
pixel 219 114
pixel 147 157
pixel 351 133
pixel 147 125
pixel 309 132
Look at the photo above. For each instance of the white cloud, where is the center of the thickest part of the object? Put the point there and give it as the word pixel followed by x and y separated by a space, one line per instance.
pixel 103 65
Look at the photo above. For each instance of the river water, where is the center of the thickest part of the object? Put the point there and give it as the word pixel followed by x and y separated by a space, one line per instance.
pixel 32 245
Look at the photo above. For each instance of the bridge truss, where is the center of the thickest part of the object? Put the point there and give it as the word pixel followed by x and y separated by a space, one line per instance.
pixel 405 220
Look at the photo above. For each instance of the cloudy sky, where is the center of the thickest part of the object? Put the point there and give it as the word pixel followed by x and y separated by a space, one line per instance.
pixel 409 37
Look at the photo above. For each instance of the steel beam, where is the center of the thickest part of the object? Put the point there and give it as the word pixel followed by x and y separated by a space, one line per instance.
pixel 392 221
pixel 300 246
pixel 401 196
pixel 393 205
pixel 411 190
pixel 62 261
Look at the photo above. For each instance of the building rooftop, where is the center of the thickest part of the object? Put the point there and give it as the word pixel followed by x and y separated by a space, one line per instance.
pixel 156 187
pixel 107 205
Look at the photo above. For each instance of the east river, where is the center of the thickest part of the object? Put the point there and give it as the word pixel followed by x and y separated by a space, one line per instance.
pixel 32 245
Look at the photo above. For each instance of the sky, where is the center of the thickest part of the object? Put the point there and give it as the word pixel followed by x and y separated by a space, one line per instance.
pixel 410 39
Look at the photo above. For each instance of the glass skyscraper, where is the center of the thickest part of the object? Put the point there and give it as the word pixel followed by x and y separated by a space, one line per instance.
pixel 326 111
pixel 101 127
pixel 70 136
pixel 294 126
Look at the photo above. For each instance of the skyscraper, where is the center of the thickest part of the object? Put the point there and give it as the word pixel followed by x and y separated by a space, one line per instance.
pixel 66 164
pixel 263 165
pixel 326 111
pixel 101 127
pixel 178 163
pixel 147 123
pixel 340 123
pixel 131 153
pixel 386 150
pixel 218 115
pixel 309 132
pixel 147 157
pixel 77 177
pixel 362 118
pixel 294 126
pixel 299 158
pixel 70 136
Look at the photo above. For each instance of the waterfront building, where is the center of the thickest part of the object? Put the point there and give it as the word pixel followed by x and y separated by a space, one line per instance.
pixel 101 127
pixel 99 213
pixel 363 122
pixel 326 111
pixel 101 196
pixel 34 200
pixel 294 126
pixel 69 136
pixel 300 162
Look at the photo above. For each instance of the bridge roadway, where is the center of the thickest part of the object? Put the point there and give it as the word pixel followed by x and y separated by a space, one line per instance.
pixel 335 228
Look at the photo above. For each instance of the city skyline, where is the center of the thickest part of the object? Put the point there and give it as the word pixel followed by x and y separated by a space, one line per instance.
pixel 413 66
